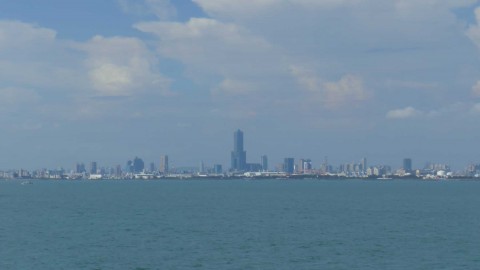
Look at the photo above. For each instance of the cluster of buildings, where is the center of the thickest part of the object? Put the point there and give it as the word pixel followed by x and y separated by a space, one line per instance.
pixel 239 168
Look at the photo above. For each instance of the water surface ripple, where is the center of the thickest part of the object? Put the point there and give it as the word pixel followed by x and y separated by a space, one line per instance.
pixel 211 224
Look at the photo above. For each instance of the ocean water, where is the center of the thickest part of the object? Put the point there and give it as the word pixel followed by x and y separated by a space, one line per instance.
pixel 211 224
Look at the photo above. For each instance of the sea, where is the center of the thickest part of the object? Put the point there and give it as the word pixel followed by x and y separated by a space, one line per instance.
pixel 240 224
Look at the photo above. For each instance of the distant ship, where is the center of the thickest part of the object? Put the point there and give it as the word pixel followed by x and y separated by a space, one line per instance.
pixel 384 177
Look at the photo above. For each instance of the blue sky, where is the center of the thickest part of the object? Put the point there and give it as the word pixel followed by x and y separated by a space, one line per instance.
pixel 110 80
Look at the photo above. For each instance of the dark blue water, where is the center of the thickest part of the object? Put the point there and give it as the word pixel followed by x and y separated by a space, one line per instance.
pixel 240 225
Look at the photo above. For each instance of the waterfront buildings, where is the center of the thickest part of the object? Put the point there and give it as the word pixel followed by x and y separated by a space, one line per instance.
pixel 289 165
pixel 240 168
pixel 407 165
pixel 304 166
pixel 80 168
pixel 138 165
pixel 217 169
pixel 436 167
pixel 118 171
pixel 129 166
pixel 152 167
pixel 163 168
pixel 239 155
pixel 253 167
pixel 264 159
pixel 355 169
pixel 93 167
pixel 201 167
pixel 473 169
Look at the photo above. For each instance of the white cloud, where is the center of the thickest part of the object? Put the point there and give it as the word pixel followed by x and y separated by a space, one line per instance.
pixel 248 9
pixel 412 5
pixel 210 48
pixel 33 57
pixel 228 6
pixel 349 90
pixel 222 8
pixel 16 35
pixel 476 89
pixel 306 77
pixel 111 79
pixel 163 9
pixel 408 112
pixel 121 66
pixel 416 85
pixel 201 40
pixel 475 108
pixel 252 45
pixel 342 24
pixel 36 65
pixel 473 31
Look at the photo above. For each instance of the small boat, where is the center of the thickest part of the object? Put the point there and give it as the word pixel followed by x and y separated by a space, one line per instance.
pixel 27 183
pixel 384 177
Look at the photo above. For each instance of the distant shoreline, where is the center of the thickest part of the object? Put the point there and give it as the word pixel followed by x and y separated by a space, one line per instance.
pixel 226 178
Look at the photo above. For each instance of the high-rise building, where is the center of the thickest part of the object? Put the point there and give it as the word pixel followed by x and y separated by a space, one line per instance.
pixel 93 167
pixel 325 166
pixel 138 165
pixel 163 168
pixel 217 168
pixel 129 166
pixel 289 165
pixel 407 164
pixel 264 163
pixel 152 167
pixel 201 167
pixel 304 166
pixel 239 156
pixel 364 164
pixel 118 171
pixel 253 167
pixel 80 168
pixel 307 166
pixel 300 168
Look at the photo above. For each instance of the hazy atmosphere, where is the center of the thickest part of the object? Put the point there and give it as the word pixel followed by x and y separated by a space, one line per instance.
pixel 108 80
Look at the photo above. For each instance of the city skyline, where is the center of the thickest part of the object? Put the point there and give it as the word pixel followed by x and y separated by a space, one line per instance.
pixel 239 164
pixel 218 134
pixel 105 80
pixel 318 161
pixel 239 155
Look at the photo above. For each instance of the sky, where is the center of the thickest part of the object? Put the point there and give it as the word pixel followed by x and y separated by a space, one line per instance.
pixel 109 80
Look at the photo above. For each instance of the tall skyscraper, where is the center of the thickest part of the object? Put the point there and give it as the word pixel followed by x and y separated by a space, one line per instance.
pixel 129 167
pixel 304 166
pixel 407 164
pixel 93 167
pixel 364 164
pixel 152 167
pixel 138 165
pixel 201 167
pixel 118 171
pixel 217 168
pixel 80 168
pixel 289 165
pixel 301 168
pixel 163 168
pixel 325 166
pixel 239 156
pixel 264 163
